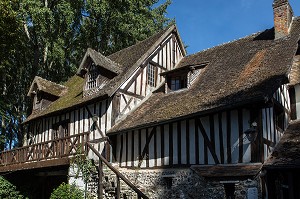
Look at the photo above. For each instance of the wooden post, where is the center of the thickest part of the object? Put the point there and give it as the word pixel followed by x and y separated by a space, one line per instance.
pixel 291 185
pixel 100 183
pixel 118 187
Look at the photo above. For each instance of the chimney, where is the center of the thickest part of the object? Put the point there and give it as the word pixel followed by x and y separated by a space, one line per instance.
pixel 283 15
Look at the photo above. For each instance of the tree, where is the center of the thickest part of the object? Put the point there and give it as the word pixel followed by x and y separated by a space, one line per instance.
pixel 112 25
pixel 10 43
pixel 49 38
pixel 8 190
pixel 67 191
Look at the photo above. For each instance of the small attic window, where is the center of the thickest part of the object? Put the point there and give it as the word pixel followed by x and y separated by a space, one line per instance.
pixel 178 82
pixel 183 77
pixel 92 77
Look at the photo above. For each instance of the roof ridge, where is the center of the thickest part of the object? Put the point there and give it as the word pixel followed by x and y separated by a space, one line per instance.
pixel 105 57
pixel 48 81
pixel 228 42
pixel 144 40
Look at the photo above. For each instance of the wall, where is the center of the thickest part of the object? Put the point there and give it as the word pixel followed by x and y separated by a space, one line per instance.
pixel 275 120
pixel 212 139
pixel 171 183
pixel 79 121
pixel 131 93
pixel 136 88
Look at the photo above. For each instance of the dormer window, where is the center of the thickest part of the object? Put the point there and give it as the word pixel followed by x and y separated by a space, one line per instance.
pixel 97 70
pixel 182 77
pixel 92 77
pixel 44 92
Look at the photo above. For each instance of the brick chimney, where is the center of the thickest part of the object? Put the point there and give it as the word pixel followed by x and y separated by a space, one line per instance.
pixel 283 15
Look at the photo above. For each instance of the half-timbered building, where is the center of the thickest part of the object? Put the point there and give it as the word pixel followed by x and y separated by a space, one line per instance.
pixel 166 124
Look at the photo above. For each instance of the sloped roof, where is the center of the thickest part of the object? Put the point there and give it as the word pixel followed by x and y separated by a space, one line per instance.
pixel 125 62
pixel 246 70
pixel 295 71
pixel 47 87
pixel 99 60
pixel 228 171
pixel 287 151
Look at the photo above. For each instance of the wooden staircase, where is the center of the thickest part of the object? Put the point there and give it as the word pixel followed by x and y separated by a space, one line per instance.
pixel 110 187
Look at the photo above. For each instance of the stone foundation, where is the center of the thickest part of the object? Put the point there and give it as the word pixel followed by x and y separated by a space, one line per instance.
pixel 183 183
pixel 169 183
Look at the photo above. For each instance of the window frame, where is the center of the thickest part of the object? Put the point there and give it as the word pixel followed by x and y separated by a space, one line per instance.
pixel 92 77
pixel 151 75
pixel 177 82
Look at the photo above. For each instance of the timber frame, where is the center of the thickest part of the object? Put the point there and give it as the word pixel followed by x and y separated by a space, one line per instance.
pixel 133 119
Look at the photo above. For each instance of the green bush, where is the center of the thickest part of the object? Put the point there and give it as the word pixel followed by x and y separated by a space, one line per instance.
pixel 67 191
pixel 8 190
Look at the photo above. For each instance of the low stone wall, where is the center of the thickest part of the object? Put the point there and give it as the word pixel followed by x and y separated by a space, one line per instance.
pixel 182 183
pixel 168 183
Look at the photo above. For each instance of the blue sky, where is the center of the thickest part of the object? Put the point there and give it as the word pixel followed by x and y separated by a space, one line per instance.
pixel 203 24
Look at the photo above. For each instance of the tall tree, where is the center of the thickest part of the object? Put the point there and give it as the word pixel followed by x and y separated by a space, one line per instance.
pixel 111 25
pixel 9 44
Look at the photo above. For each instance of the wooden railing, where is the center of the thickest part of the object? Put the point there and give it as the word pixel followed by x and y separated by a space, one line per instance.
pixel 57 148
pixel 119 176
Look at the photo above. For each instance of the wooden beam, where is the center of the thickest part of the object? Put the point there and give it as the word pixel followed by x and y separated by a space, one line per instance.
pixel 131 94
pixel 221 138
pixel 52 173
pixel 241 135
pixel 127 106
pixel 157 65
pixel 207 141
pixel 35 165
pixel 95 123
pixel 133 79
pixel 228 137
pixel 115 107
pixel 146 148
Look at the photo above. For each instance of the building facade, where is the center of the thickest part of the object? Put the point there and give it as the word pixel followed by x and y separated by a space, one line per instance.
pixel 175 126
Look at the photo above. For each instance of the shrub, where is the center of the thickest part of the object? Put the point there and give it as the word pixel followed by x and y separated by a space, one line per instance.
pixel 67 191
pixel 8 190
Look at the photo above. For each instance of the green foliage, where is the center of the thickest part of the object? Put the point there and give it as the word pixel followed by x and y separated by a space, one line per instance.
pixel 113 25
pixel 84 166
pixel 8 190
pixel 67 191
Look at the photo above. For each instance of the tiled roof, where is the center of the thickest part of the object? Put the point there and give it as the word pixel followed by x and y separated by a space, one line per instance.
pixel 100 60
pixel 246 70
pixel 47 87
pixel 295 71
pixel 125 62
pixel 287 152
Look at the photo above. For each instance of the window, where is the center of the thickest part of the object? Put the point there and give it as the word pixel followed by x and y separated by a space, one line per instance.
pixel 92 77
pixel 151 75
pixel 177 82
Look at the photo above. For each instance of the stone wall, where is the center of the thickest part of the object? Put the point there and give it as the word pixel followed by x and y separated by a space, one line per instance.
pixel 183 183
pixel 169 183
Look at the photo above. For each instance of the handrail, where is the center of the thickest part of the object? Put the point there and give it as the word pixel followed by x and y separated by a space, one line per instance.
pixel 120 175
pixel 55 148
